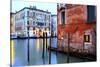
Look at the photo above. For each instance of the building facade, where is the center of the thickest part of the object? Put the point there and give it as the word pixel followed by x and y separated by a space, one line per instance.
pixel 54 25
pixel 12 24
pixel 37 20
pixel 76 28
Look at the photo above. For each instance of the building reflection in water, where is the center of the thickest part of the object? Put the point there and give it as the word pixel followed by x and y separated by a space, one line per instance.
pixel 11 52
pixel 38 44
pixel 19 53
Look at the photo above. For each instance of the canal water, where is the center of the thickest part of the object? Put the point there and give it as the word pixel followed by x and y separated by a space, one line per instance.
pixel 19 53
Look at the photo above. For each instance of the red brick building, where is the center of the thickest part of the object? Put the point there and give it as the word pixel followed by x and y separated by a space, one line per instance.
pixel 76 28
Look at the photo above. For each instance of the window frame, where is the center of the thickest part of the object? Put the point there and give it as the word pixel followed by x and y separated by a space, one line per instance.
pixel 87 38
pixel 63 17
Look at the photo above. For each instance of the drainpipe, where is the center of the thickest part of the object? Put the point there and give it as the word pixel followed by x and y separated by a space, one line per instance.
pixel 50 50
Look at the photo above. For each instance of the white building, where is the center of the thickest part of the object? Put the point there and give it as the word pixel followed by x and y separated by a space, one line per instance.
pixel 54 25
pixel 12 25
pixel 38 21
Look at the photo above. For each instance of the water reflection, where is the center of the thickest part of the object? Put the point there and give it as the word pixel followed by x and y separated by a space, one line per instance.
pixel 19 53
pixel 38 44
pixel 12 52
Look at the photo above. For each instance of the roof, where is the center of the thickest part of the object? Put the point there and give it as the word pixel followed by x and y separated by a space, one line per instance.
pixel 33 9
pixel 12 13
pixel 53 15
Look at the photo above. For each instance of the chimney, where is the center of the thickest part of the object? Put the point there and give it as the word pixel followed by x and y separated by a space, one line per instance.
pixel 30 6
pixel 47 10
pixel 34 7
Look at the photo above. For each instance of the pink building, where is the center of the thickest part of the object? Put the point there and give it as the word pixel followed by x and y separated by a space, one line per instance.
pixel 76 28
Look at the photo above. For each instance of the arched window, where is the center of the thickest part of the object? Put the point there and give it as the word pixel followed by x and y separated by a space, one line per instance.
pixel 63 17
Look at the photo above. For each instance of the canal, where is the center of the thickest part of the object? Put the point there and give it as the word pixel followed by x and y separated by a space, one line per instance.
pixel 19 53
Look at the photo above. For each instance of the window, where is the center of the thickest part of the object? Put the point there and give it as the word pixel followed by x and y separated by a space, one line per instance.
pixel 45 17
pixel 63 17
pixel 86 38
pixel 45 24
pixel 45 28
pixel 91 13
pixel 22 15
pixel 28 13
pixel 33 22
pixel 49 18
pixel 33 28
pixel 49 24
pixel 34 15
pixel 33 32
pixel 27 22
pixel 40 24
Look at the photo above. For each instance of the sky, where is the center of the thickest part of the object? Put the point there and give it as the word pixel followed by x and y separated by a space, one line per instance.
pixel 18 5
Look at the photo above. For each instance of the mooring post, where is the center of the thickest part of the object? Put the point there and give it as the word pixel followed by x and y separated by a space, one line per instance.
pixel 46 41
pixel 28 48
pixel 68 52
pixel 43 45
pixel 50 51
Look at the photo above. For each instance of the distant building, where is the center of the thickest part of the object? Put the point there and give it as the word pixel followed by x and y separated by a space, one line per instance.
pixel 37 20
pixel 12 24
pixel 54 25
pixel 77 27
